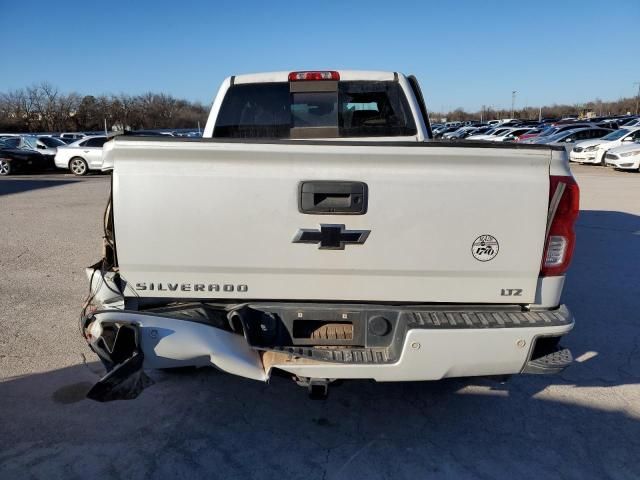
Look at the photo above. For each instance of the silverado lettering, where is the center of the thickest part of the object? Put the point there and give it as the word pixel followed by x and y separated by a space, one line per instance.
pixel 188 287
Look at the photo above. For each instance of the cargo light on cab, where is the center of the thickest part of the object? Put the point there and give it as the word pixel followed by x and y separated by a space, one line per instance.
pixel 313 75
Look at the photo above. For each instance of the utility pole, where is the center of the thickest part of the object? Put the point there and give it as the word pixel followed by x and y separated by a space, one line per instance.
pixel 513 101
pixel 637 98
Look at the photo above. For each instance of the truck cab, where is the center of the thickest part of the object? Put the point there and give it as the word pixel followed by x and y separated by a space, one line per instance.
pixel 357 105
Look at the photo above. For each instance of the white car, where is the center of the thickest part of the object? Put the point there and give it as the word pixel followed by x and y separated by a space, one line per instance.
pixel 624 158
pixel 82 155
pixel 593 151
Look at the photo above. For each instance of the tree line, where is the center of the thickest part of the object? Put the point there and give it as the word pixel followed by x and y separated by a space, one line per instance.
pixel 44 108
pixel 593 108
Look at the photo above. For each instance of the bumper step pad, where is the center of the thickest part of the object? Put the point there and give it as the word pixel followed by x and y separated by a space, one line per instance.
pixel 551 363
pixel 340 354
pixel 488 319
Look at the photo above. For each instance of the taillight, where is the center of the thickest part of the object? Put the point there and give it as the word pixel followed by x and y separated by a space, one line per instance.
pixel 313 75
pixel 564 205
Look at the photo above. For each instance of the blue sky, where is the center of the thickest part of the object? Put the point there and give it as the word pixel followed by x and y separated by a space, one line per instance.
pixel 465 53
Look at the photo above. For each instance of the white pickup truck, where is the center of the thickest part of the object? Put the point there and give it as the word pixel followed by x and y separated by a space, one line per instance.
pixel 317 230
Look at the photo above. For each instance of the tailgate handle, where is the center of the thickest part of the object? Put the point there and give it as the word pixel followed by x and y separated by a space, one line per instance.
pixel 333 197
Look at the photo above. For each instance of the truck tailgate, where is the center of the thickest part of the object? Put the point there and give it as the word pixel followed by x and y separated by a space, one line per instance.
pixel 218 220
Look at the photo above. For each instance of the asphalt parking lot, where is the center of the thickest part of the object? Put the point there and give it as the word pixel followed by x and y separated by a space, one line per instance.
pixel 582 424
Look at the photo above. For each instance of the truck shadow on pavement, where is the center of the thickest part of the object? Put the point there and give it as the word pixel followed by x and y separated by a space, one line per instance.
pixel 19 185
pixel 582 424
pixel 603 291
pixel 207 423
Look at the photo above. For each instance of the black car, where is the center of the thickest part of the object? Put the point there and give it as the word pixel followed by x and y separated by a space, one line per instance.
pixel 19 154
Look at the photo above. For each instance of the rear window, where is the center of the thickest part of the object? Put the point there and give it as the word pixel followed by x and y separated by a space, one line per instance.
pixel 51 142
pixel 615 135
pixel 96 142
pixel 356 109
pixel 10 142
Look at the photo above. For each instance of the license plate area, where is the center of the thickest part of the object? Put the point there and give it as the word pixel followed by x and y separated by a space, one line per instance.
pixel 318 330
pixel 324 327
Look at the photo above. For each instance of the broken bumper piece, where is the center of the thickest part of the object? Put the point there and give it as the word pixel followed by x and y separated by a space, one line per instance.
pixel 130 342
pixel 124 382
pixel 118 347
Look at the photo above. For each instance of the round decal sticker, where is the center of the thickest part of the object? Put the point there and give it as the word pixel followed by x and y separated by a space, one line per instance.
pixel 485 248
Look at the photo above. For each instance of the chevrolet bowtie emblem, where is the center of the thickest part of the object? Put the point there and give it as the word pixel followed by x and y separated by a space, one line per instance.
pixel 331 236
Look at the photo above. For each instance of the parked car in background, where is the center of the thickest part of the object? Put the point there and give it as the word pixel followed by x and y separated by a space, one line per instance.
pixel 71 136
pixel 503 121
pixel 193 135
pixel 146 133
pixel 449 135
pixel 569 138
pixel 511 122
pixel 530 135
pixel 82 155
pixel 489 134
pixel 19 153
pixel 632 122
pixel 609 123
pixel 626 157
pixel 554 129
pixel 49 145
pixel 461 134
pixel 436 129
pixel 510 135
pixel 533 132
pixel 441 132
pixel 66 141
pixel 594 151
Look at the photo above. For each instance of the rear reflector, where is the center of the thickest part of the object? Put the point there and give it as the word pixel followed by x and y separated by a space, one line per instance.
pixel 564 205
pixel 313 75
pixel 556 251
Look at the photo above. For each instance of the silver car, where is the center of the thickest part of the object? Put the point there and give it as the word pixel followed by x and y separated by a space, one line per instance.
pixel 568 138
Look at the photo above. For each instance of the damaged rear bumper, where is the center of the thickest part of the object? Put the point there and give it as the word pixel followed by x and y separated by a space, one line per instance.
pixel 348 342
pixel 174 342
